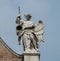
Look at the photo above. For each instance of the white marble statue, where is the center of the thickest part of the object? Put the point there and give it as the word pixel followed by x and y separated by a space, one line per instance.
pixel 30 34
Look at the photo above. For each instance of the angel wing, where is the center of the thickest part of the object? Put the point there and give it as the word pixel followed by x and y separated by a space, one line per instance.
pixel 39 30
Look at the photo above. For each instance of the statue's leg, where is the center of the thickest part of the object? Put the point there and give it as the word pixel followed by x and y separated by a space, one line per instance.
pixel 36 40
pixel 33 41
pixel 26 41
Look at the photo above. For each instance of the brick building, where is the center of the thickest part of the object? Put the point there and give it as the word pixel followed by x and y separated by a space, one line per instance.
pixel 7 54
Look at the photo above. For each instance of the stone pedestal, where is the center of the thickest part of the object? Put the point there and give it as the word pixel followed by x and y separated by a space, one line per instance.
pixel 31 56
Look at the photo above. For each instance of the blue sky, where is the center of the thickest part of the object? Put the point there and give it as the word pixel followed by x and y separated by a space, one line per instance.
pixel 46 10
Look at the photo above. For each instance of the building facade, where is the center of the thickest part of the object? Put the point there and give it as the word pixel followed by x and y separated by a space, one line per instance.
pixel 7 54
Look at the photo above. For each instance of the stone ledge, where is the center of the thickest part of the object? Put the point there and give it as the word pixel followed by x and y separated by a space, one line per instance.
pixel 34 54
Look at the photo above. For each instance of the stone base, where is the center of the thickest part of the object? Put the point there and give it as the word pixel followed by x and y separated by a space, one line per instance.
pixel 31 56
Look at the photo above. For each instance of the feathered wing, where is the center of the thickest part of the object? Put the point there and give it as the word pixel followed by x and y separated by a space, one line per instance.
pixel 39 30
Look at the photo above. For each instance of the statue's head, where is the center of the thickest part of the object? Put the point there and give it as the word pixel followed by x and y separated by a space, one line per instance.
pixel 40 21
pixel 27 16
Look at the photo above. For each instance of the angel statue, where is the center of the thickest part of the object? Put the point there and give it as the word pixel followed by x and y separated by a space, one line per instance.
pixel 29 34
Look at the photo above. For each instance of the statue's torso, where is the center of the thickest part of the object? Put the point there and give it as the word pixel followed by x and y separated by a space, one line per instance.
pixel 27 24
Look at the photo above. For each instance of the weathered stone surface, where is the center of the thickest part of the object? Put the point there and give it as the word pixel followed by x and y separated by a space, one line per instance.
pixel 31 56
